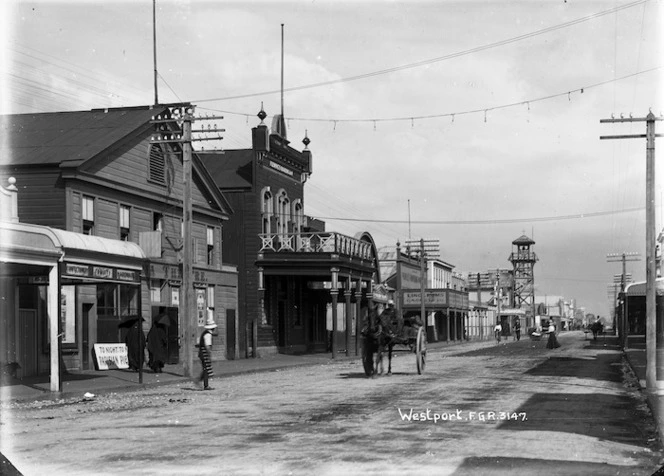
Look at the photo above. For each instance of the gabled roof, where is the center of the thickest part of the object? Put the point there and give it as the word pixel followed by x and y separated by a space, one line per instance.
pixel 232 169
pixel 55 137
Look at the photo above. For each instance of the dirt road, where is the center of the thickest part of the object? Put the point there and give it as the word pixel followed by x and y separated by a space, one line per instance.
pixel 510 409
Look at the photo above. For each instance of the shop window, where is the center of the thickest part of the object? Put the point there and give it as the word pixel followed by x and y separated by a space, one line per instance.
pixel 210 246
pixel 116 303
pixel 124 222
pixel 88 215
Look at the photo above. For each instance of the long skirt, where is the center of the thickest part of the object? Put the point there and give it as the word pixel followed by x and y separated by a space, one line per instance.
pixel 553 342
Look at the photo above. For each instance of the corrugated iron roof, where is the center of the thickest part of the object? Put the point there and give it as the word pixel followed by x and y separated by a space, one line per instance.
pixel 55 137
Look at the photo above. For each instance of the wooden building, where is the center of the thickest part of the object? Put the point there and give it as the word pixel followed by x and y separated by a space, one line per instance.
pixel 97 173
pixel 302 289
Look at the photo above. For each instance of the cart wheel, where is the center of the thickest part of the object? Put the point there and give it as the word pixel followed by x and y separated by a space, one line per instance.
pixel 367 358
pixel 421 350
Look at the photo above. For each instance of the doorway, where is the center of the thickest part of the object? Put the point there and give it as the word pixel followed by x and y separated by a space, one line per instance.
pixel 28 341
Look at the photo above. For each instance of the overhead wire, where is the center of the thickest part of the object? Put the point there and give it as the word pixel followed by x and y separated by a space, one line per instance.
pixel 433 60
pixel 482 110
pixel 494 221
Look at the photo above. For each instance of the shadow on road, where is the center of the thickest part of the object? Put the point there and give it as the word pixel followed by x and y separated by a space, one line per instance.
pixel 603 416
pixel 499 465
pixel 601 367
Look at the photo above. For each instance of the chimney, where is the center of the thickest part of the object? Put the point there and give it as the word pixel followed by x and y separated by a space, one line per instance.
pixel 260 135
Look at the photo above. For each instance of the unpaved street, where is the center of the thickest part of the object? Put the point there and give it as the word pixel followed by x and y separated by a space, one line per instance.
pixel 510 409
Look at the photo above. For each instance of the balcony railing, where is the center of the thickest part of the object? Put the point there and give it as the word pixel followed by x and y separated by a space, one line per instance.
pixel 523 256
pixel 324 242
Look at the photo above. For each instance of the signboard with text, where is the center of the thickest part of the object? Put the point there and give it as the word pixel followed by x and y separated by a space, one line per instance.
pixel 111 356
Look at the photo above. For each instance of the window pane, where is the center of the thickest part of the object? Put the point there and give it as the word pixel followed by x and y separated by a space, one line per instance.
pixel 88 208
pixel 124 216
pixel 210 236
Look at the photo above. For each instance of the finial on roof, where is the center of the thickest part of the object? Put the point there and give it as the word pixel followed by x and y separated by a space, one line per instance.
pixel 262 115
pixel 306 140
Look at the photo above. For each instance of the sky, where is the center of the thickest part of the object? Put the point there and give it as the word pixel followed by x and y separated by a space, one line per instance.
pixel 467 122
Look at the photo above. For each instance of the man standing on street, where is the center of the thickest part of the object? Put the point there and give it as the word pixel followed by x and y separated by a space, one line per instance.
pixel 204 353
pixel 517 329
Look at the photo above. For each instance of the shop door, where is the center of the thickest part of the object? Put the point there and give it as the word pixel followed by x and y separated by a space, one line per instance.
pixel 28 352
pixel 173 336
pixel 86 360
pixel 281 317
pixel 230 334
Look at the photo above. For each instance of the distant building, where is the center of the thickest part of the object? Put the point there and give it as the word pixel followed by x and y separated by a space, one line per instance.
pixel 446 295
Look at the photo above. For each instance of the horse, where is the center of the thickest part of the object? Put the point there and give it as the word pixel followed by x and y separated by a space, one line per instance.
pixel 380 336
pixel 596 328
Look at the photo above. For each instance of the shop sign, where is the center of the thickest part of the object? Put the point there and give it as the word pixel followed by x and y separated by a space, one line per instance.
pixel 102 273
pixel 71 270
pixel 76 270
pixel 175 297
pixel 111 356
pixel 431 298
pixel 125 275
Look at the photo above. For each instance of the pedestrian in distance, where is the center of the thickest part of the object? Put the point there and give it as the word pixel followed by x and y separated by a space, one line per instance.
pixel 205 353
pixel 517 330
pixel 497 331
pixel 552 342
pixel 158 343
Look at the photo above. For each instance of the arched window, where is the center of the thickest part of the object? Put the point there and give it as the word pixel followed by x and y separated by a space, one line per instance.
pixel 283 212
pixel 267 210
pixel 298 216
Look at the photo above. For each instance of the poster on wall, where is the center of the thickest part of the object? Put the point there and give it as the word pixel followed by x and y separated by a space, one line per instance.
pixel 68 314
pixel 175 297
pixel 201 308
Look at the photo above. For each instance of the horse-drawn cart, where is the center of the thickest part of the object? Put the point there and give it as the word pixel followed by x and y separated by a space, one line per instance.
pixel 389 333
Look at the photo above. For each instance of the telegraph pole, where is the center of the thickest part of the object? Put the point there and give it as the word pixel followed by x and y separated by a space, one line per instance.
pixel 651 270
pixel 175 130
pixel 428 249
pixel 623 325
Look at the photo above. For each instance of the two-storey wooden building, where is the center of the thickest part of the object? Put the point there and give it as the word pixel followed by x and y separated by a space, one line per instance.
pixel 98 173
pixel 302 289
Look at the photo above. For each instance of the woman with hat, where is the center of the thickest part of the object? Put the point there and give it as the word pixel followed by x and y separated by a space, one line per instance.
pixel 204 352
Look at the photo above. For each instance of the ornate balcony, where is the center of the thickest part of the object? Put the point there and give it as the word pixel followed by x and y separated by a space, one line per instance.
pixel 320 242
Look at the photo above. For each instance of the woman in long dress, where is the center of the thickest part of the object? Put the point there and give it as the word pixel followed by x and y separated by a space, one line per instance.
pixel 553 342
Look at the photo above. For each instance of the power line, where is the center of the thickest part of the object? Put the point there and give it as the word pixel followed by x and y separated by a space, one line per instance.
pixel 433 60
pixel 452 115
pixel 492 222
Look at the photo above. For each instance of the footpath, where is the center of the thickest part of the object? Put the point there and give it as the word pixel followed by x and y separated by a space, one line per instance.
pixel 76 384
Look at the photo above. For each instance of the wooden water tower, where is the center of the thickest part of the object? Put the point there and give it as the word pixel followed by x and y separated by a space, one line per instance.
pixel 523 259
